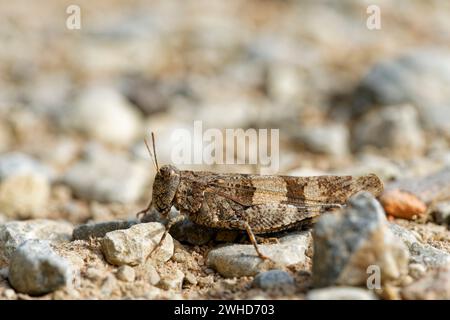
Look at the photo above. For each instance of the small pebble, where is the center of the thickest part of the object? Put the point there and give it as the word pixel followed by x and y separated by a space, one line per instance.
pixel 190 278
pixel 417 270
pixel 126 273
pixel 173 281
pixel 94 274
pixel 152 275
pixel 108 285
pixel 273 279
pixel 9 294
pixel 179 257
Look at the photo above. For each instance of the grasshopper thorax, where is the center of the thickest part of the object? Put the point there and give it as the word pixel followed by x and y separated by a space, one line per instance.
pixel 165 187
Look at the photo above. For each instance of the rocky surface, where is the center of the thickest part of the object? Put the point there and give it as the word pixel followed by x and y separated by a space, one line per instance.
pixel 36 269
pixel 74 169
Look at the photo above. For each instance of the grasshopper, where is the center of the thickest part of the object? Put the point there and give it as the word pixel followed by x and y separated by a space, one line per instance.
pixel 257 204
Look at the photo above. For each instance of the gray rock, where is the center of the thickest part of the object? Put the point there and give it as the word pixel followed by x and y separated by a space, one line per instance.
pixel 99 230
pixel 132 246
pixel 187 231
pixel 16 163
pixel 36 269
pixel 329 139
pixel 428 255
pixel 173 281
pixel 107 177
pixel 14 233
pixel 126 273
pixel 421 253
pixel 341 293
pixel 395 128
pixel 441 213
pixel 273 279
pixel 104 114
pixel 239 260
pixel 434 286
pixel 348 242
pixel 420 77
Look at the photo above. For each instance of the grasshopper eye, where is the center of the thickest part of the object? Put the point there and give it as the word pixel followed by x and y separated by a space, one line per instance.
pixel 165 171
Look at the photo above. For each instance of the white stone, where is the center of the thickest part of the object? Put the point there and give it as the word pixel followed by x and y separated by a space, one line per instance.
pixel 133 246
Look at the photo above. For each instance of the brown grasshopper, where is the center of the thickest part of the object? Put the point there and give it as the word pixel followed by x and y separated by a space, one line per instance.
pixel 256 204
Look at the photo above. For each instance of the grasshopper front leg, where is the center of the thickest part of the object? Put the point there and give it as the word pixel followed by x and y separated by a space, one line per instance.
pixel 169 225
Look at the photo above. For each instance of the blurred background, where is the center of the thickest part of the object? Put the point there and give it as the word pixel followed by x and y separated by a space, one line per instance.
pixel 76 104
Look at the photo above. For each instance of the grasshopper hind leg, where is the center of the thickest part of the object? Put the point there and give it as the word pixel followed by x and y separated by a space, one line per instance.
pixel 252 238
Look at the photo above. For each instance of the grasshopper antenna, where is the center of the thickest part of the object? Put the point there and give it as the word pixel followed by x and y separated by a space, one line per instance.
pixel 151 155
pixel 154 150
pixel 155 163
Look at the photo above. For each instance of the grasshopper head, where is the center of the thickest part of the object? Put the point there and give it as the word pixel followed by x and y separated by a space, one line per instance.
pixel 165 187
